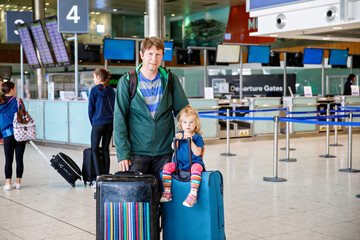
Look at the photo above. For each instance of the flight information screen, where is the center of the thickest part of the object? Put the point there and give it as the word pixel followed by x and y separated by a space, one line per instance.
pixel 41 43
pixel 28 45
pixel 57 41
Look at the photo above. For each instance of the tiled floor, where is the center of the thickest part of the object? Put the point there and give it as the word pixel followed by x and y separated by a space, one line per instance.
pixel 317 201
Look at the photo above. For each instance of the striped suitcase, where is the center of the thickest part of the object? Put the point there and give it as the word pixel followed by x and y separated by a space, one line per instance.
pixel 127 207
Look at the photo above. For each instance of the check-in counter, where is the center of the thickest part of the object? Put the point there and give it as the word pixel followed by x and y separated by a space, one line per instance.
pixel 61 121
pixel 209 126
pixel 238 128
pixel 351 101
pixel 67 122
pixel 301 104
pixel 262 103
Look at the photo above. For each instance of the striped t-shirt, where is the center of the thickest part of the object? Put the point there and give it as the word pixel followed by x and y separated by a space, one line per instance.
pixel 152 92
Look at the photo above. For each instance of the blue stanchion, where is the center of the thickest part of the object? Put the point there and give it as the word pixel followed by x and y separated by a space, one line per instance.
pixel 307 112
pixel 244 111
pixel 237 118
pixel 351 108
pixel 320 122
pixel 305 120
pixel 348 111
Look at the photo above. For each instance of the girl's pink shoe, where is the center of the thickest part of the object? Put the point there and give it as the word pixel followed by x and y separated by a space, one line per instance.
pixel 190 200
pixel 166 197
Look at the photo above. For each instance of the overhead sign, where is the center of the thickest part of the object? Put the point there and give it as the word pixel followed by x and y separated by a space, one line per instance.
pixel 13 19
pixel 257 4
pixel 266 85
pixel 73 16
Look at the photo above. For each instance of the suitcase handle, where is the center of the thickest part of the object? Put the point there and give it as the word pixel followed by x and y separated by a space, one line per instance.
pixel 129 173
pixel 188 140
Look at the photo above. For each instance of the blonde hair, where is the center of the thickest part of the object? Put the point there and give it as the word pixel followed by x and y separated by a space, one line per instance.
pixel 190 112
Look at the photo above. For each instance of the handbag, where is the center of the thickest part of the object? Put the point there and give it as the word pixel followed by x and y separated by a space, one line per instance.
pixel 24 124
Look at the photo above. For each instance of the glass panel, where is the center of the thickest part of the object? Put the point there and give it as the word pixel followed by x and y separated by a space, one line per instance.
pixel 335 86
pixel 80 127
pixel 35 108
pixel 56 121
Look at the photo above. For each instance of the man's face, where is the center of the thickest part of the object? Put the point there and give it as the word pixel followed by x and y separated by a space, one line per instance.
pixel 152 58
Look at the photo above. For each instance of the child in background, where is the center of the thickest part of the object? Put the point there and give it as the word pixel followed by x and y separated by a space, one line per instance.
pixel 189 122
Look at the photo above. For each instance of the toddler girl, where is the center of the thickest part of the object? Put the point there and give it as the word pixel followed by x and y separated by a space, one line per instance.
pixel 189 122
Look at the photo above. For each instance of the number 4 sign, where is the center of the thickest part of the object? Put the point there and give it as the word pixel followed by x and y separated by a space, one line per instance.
pixel 73 16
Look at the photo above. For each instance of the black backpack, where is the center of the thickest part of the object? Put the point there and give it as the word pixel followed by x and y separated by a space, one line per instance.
pixel 133 83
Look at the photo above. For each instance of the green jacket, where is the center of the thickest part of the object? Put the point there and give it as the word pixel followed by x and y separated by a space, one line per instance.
pixel 135 131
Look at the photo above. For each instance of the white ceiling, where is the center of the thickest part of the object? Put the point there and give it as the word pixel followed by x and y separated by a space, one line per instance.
pixel 138 7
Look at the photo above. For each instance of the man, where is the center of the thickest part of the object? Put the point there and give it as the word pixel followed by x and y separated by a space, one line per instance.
pixel 349 82
pixel 144 125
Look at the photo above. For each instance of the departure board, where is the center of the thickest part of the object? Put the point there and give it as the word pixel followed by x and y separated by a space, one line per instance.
pixel 28 45
pixel 41 43
pixel 57 41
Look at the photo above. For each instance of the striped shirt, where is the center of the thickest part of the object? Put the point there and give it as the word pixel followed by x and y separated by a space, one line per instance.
pixel 152 92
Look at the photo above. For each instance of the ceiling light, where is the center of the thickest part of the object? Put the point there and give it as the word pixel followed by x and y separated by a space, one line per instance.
pixel 145 13
pixel 114 10
pixel 337 28
pixel 47 4
pixel 30 8
pixel 92 13
pixel 100 28
pixel 326 38
pixel 45 9
pixel 21 10
pixel 274 35
pixel 1 5
pixel 7 6
pixel 173 15
pixel 97 13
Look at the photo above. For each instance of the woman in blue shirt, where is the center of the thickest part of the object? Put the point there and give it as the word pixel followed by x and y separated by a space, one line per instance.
pixel 8 108
pixel 101 114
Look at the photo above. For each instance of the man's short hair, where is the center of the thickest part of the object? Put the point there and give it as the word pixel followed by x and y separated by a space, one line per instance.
pixel 147 43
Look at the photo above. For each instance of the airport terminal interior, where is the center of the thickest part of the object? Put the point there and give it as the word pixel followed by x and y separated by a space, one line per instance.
pixel 270 80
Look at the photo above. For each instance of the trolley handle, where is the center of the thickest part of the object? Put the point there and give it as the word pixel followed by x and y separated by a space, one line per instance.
pixel 188 140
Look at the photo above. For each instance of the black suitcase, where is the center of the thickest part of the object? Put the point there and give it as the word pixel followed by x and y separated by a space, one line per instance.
pixel 88 169
pixel 64 165
pixel 127 206
pixel 67 168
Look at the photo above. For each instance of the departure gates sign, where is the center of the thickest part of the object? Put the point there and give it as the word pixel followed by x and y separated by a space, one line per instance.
pixel 73 16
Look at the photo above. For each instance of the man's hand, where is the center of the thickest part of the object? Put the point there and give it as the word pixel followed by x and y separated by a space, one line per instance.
pixel 124 165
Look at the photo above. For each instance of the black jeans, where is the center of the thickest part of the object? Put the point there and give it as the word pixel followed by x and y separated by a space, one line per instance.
pixel 101 159
pixel 150 165
pixel 11 146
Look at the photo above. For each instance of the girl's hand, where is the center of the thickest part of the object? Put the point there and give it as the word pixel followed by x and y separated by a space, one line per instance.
pixel 179 135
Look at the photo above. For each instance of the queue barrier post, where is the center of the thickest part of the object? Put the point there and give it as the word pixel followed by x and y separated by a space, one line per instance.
pixel 327 155
pixel 288 159
pixel 227 136
pixel 287 148
pixel 349 169
pixel 275 178
pixel 336 144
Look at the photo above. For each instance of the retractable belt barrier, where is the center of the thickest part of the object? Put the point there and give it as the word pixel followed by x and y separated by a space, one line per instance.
pixel 304 120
